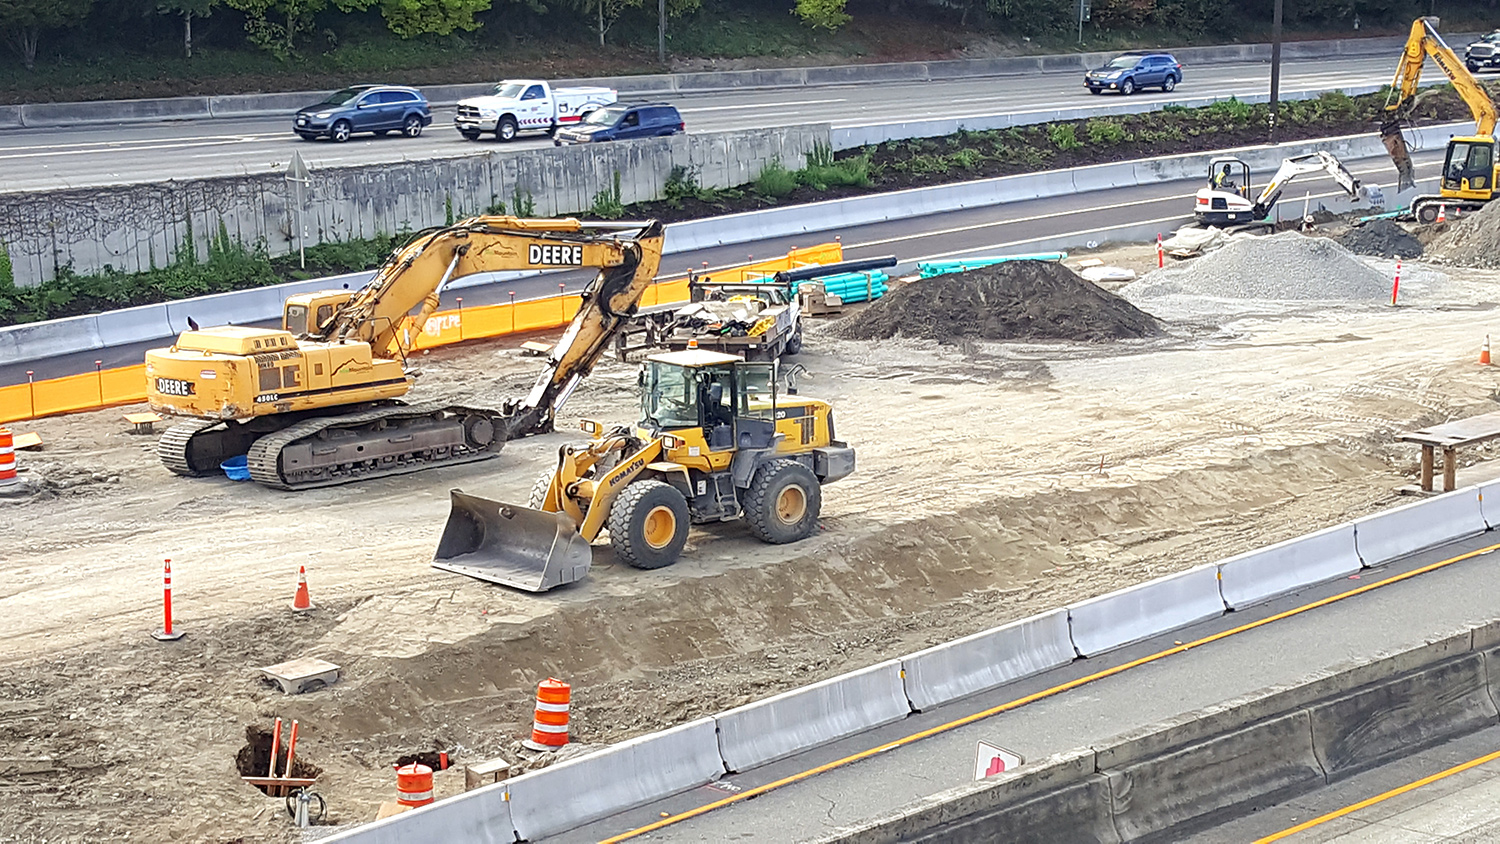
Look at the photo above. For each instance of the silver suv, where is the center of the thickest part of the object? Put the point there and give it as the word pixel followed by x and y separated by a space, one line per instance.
pixel 1484 53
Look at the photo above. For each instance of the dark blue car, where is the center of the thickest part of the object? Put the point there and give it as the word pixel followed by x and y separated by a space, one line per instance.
pixel 1133 71
pixel 365 108
pixel 621 122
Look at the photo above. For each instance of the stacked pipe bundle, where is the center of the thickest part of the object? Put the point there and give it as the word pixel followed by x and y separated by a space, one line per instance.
pixel 851 287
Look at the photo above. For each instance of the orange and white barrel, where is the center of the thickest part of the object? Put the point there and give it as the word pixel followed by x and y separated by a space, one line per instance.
pixel 414 784
pixel 549 728
pixel 7 458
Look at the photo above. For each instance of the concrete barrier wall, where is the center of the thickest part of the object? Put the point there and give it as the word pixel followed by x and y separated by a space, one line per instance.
pixel 1255 576
pixel 1402 530
pixel 985 660
pixel 135 227
pixel 250 105
pixel 1207 767
pixel 1144 610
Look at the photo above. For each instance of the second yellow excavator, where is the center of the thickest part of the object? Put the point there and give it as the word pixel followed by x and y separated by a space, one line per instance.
pixel 1469 169
pixel 316 402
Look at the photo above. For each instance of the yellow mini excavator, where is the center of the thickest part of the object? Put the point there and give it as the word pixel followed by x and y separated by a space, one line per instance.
pixel 1469 169
pixel 315 402
pixel 716 441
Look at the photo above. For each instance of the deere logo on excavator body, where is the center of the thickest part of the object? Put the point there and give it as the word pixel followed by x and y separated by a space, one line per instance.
pixel 569 256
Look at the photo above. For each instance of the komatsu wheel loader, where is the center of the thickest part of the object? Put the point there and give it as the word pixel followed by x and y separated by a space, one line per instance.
pixel 1469 168
pixel 716 441
pixel 316 402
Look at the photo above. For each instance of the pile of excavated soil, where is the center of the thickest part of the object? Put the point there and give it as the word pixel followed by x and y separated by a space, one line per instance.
pixel 1383 238
pixel 1281 266
pixel 1473 241
pixel 1017 300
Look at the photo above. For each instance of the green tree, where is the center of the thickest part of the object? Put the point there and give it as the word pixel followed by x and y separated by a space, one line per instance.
pixel 822 14
pixel 23 21
pixel 410 18
pixel 275 25
pixel 604 13
pixel 189 9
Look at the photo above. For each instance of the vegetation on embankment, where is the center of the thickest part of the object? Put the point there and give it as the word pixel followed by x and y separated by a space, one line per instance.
pixel 918 162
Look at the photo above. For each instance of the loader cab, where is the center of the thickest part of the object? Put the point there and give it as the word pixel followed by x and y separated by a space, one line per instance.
pixel 1469 169
pixel 710 397
pixel 309 314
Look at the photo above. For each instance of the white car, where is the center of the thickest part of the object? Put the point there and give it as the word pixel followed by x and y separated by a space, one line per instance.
pixel 527 105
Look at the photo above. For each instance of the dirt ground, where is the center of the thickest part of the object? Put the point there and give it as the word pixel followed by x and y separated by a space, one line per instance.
pixel 994 481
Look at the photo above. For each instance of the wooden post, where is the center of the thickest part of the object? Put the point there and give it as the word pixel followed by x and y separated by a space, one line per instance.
pixel 1427 468
pixel 1450 468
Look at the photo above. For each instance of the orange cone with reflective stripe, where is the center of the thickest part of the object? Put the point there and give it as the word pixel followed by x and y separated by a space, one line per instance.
pixel 1442 212
pixel 1484 354
pixel 303 601
pixel 7 458
pixel 549 728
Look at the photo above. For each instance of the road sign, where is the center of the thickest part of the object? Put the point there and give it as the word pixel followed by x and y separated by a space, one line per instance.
pixel 992 759
pixel 297 170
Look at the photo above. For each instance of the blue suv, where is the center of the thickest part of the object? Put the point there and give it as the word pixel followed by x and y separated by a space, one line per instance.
pixel 622 122
pixel 1133 71
pixel 365 108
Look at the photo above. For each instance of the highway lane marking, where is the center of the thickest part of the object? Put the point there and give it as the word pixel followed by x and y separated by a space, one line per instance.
pixel 1044 694
pixel 123 145
pixel 1380 798
pixel 164 144
pixel 760 105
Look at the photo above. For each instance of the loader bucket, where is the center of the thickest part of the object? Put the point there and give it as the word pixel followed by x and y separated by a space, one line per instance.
pixel 516 546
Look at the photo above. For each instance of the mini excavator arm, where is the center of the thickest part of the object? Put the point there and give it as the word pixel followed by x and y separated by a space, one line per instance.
pixel 1300 165
pixel 1423 43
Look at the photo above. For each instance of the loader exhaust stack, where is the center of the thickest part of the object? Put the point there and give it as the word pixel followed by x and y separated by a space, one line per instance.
pixel 516 546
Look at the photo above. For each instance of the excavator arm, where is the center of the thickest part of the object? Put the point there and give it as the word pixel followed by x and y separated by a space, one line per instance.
pixel 1423 43
pixel 1300 165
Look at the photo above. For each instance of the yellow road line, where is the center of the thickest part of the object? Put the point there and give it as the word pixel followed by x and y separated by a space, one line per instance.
pixel 1032 698
pixel 1380 798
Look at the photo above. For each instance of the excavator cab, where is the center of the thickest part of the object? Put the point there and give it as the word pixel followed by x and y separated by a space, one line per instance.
pixel 714 443
pixel 1469 168
pixel 310 314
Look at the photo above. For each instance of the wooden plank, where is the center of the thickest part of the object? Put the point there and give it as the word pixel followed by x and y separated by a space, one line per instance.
pixel 1460 432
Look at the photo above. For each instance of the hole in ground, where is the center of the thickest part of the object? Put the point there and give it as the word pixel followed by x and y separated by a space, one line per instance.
pixel 254 759
pixel 430 758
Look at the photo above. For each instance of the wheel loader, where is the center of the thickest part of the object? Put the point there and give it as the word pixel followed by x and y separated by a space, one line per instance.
pixel 716 441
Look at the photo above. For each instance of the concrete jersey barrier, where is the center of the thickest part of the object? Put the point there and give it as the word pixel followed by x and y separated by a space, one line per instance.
pixel 777 727
pixel 1400 531
pixel 1144 610
pixel 988 659
pixel 481 816
pixel 1260 575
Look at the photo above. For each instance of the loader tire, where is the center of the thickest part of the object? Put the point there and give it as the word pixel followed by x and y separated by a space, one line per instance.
pixel 783 502
pixel 648 524
pixel 539 489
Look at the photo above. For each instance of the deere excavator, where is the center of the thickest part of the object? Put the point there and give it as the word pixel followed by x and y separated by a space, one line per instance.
pixel 716 441
pixel 1469 168
pixel 317 402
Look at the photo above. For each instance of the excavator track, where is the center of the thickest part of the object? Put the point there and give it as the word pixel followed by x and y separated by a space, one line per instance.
pixel 173 446
pixel 470 434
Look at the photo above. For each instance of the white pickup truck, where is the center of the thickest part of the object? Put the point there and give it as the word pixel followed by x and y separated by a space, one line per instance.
pixel 527 105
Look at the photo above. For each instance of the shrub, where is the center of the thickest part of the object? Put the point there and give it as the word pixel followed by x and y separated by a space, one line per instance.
pixel 775 181
pixel 607 203
pixel 1064 137
pixel 1104 132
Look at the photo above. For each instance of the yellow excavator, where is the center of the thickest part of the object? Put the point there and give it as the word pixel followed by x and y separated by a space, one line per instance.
pixel 1469 169
pixel 716 441
pixel 316 402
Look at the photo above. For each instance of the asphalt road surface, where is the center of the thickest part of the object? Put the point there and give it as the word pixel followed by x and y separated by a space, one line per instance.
pixel 90 156
pixel 996 229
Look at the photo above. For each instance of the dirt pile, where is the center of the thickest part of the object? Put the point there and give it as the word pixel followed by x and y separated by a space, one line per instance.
pixel 1383 238
pixel 1473 241
pixel 1018 300
pixel 1286 266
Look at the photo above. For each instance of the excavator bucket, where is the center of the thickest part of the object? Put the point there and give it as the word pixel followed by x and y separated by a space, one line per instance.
pixel 528 549
pixel 1395 144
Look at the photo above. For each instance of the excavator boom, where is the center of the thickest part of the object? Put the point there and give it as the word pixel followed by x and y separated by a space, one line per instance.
pixel 1422 44
pixel 1300 165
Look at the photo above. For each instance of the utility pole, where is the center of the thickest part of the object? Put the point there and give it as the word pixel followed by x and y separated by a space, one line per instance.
pixel 1275 68
pixel 661 31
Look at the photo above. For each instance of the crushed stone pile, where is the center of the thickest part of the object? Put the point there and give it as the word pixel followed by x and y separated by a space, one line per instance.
pixel 1473 241
pixel 1017 300
pixel 1280 266
pixel 1384 238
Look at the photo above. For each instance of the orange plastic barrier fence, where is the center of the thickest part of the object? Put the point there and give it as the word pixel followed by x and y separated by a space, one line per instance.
pixel 127 385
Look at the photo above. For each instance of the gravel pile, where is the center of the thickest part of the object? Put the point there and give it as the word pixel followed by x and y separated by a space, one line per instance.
pixel 1473 241
pixel 1383 238
pixel 1286 266
pixel 1017 300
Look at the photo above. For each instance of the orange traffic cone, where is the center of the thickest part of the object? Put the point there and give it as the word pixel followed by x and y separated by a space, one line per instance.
pixel 1442 212
pixel 1484 354
pixel 303 602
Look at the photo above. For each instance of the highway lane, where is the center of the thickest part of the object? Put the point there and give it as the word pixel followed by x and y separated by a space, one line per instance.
pixel 972 231
pixel 1362 626
pixel 1434 795
pixel 90 156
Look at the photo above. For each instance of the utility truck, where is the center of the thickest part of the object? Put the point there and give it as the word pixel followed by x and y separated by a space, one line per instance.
pixel 527 105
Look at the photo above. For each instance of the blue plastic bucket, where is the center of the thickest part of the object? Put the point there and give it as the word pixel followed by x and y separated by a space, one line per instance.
pixel 236 468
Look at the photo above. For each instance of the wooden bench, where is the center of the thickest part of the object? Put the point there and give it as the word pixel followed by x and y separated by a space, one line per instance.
pixel 142 421
pixel 1450 436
